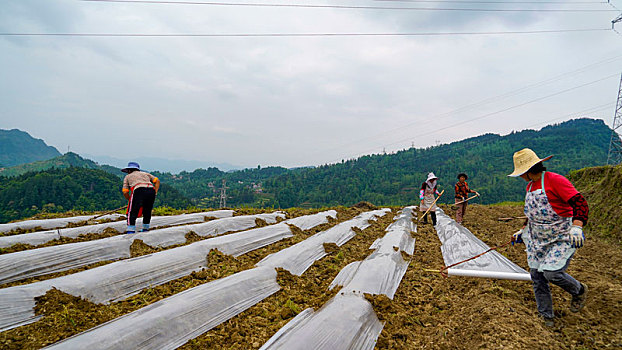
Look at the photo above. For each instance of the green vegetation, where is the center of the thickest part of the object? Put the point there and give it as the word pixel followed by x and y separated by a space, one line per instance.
pixel 18 147
pixel 74 188
pixel 392 179
pixel 602 188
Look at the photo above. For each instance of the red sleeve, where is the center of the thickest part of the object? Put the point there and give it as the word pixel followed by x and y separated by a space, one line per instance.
pixel 561 186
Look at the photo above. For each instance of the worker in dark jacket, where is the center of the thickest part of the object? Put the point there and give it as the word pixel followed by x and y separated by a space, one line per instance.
pixel 556 213
pixel 140 189
pixel 462 193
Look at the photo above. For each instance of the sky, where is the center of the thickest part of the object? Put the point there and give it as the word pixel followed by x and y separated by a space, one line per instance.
pixel 302 100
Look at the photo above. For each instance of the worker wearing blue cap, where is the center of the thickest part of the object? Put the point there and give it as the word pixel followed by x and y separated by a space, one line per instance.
pixel 140 189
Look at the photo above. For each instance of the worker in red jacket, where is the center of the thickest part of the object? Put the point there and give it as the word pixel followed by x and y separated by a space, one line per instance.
pixel 140 189
pixel 462 193
pixel 556 213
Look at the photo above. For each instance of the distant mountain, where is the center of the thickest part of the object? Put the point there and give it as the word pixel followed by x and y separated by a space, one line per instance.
pixel 173 166
pixel 64 161
pixel 18 147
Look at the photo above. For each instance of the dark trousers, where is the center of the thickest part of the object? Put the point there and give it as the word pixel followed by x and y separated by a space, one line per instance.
pixel 142 197
pixel 541 280
pixel 432 215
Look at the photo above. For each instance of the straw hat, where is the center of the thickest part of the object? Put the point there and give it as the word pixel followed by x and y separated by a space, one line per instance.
pixel 431 176
pixel 524 160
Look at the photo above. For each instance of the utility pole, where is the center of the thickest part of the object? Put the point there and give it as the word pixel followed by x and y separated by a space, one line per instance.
pixel 614 157
pixel 223 194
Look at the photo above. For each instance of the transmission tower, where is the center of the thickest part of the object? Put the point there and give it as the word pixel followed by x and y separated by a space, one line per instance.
pixel 615 145
pixel 223 194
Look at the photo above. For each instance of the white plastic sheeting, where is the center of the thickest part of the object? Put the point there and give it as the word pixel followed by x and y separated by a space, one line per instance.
pixel 348 321
pixel 307 222
pixel 37 238
pixel 299 257
pixel 36 262
pixel 171 322
pixel 121 279
pixel 46 224
pixel 458 243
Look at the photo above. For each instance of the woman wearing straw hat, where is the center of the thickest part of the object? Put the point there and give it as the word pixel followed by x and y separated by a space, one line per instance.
pixel 426 195
pixel 556 213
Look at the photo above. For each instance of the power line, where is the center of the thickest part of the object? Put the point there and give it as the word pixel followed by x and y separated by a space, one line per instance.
pixel 494 113
pixel 247 4
pixel 484 101
pixel 259 35
pixel 497 2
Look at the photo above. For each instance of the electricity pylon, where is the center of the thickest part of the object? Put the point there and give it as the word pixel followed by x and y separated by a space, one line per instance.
pixel 614 157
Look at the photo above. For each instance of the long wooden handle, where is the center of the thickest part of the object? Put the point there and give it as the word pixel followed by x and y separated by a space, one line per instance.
pixel 108 212
pixel 426 212
pixel 468 199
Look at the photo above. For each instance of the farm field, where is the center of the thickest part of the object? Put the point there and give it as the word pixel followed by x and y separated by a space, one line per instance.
pixel 427 311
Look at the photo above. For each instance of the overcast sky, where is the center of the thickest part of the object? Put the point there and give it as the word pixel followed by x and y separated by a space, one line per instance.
pixel 296 101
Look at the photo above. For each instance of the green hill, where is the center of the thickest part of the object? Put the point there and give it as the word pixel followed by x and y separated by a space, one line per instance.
pixel 602 187
pixel 64 161
pixel 72 188
pixel 396 178
pixel 18 147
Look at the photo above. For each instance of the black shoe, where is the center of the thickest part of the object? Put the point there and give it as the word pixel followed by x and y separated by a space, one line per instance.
pixel 578 301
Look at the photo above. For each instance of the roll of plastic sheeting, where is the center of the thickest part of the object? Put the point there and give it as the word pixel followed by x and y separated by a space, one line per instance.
pixel 36 262
pixel 299 257
pixel 346 322
pixel 37 238
pixel 171 322
pixel 47 224
pixel 121 279
pixel 307 222
pixel 458 244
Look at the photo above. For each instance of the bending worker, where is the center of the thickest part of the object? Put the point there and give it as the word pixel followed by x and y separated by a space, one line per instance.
pixel 556 213
pixel 140 189
pixel 426 195
pixel 462 193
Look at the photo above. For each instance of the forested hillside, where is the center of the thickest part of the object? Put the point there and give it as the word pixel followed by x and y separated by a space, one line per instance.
pixel 66 160
pixel 74 188
pixel 487 159
pixel 18 147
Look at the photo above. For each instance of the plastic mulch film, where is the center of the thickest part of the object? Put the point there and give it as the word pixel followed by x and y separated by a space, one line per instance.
pixel 37 238
pixel 382 271
pixel 121 279
pixel 346 322
pixel 458 243
pixel 171 322
pixel 299 257
pixel 310 221
pixel 47 224
pixel 35 262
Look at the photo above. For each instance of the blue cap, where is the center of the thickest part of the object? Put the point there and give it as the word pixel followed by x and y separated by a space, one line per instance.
pixel 131 166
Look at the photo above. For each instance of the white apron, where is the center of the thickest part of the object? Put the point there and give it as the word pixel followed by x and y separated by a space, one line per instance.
pixel 428 200
pixel 547 237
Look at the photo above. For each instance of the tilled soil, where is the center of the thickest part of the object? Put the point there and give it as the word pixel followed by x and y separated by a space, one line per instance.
pixel 431 312
pixel 428 311
pixel 66 315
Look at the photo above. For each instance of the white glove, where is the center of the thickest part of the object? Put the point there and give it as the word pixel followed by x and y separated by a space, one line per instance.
pixel 518 237
pixel 576 236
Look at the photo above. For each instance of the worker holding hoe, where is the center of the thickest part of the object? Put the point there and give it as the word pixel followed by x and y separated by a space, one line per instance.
pixel 426 195
pixel 556 213
pixel 462 193
pixel 140 189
